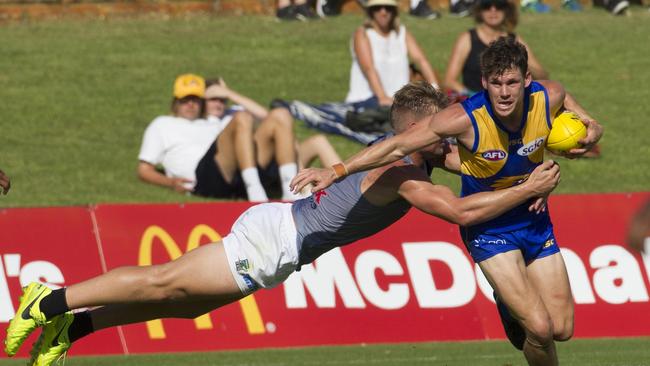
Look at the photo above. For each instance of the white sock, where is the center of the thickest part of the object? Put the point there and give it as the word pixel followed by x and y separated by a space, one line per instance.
pixel 287 172
pixel 414 3
pixel 254 189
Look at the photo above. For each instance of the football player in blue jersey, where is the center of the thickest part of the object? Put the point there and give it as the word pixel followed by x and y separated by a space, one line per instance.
pixel 501 134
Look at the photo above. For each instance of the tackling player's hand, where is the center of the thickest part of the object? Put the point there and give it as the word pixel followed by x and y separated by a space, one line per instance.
pixel 594 133
pixel 544 178
pixel 543 181
pixel 321 178
pixel 539 205
pixel 5 182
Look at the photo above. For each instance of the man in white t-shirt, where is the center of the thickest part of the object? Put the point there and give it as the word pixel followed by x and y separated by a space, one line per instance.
pixel 186 146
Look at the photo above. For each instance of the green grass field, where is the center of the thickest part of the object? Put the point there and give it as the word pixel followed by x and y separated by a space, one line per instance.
pixel 78 94
pixel 592 352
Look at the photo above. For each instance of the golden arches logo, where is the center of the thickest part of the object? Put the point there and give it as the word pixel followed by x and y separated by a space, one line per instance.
pixel 248 305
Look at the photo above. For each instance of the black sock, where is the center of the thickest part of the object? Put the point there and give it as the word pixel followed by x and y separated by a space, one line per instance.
pixel 54 304
pixel 81 326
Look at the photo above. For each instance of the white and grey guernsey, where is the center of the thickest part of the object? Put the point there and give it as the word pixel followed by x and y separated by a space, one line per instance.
pixel 340 215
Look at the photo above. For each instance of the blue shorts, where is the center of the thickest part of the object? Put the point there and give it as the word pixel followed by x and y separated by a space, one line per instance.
pixel 535 241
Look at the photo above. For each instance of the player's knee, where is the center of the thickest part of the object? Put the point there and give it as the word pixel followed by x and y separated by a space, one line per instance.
pixel 564 332
pixel 162 284
pixel 540 330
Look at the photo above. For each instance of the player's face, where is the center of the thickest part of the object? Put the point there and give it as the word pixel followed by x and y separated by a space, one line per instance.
pixel 506 92
pixel 189 107
pixel 215 107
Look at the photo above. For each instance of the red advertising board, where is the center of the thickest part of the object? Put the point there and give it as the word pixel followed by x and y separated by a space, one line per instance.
pixel 412 282
pixel 56 246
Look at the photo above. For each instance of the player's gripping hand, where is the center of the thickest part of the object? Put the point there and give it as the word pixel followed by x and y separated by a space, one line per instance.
pixel 5 182
pixel 543 181
pixel 320 178
pixel 594 133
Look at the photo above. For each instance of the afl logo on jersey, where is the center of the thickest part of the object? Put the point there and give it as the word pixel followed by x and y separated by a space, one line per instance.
pixel 530 147
pixel 494 155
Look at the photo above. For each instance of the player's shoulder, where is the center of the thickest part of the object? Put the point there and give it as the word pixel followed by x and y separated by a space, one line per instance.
pixel 551 86
pixel 460 111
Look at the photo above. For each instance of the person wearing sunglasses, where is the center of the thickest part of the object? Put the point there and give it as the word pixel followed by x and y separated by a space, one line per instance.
pixel 381 50
pixel 494 19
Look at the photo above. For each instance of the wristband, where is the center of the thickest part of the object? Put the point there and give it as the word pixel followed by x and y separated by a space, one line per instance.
pixel 340 170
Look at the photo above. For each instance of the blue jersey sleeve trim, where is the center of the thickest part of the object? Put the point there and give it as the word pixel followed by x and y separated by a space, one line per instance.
pixel 549 123
pixel 469 107
pixel 535 87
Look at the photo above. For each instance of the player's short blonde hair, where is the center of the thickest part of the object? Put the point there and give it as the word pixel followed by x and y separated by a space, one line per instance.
pixel 414 101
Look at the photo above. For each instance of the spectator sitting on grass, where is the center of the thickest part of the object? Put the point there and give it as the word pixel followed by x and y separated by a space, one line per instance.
pixel 494 19
pixel 381 49
pixel 184 145
pixel 273 144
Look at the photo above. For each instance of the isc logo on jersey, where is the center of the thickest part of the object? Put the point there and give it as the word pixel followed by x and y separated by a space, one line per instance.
pixel 494 155
pixel 530 147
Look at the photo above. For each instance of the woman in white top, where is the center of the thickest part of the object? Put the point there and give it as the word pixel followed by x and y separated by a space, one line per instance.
pixel 381 49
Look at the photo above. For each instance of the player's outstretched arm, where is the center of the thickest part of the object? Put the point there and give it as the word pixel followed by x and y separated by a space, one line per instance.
pixel 440 201
pixel 5 182
pixel 451 121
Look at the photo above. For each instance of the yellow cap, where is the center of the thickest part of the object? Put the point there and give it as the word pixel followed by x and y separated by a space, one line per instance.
pixel 189 84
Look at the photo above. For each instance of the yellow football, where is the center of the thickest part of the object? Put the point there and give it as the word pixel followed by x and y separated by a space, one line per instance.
pixel 567 130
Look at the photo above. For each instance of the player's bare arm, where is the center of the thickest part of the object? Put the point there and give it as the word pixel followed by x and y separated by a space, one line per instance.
pixel 559 99
pixel 147 173
pixel 440 201
pixel 5 182
pixel 450 160
pixel 450 122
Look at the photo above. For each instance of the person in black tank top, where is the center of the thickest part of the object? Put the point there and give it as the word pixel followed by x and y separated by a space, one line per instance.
pixel 494 19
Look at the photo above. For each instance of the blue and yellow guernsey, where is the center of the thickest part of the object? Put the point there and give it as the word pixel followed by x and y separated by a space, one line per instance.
pixel 500 159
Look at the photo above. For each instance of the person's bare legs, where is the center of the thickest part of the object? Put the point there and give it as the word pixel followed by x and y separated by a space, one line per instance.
pixel 317 146
pixel 202 274
pixel 508 275
pixel 236 150
pixel 549 276
pixel 275 138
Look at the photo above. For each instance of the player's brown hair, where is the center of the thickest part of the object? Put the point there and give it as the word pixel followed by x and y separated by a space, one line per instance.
pixel 416 99
pixel 503 54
